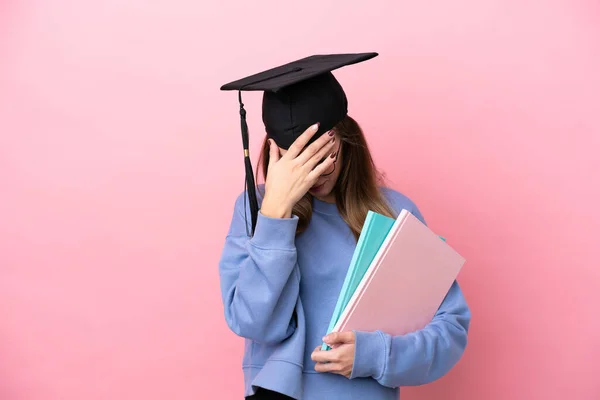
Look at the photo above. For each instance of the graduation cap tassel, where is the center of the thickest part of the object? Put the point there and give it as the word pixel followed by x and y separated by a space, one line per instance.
pixel 250 185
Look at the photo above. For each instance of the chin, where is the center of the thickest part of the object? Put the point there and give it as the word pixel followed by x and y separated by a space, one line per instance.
pixel 322 190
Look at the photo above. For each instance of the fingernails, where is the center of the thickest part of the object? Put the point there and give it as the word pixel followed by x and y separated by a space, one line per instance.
pixel 315 127
pixel 333 154
pixel 331 132
pixel 333 140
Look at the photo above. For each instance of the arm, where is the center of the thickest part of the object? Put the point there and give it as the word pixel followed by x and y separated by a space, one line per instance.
pixel 419 357
pixel 259 281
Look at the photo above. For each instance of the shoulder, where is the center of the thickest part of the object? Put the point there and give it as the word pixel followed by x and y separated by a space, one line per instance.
pixel 397 200
pixel 400 201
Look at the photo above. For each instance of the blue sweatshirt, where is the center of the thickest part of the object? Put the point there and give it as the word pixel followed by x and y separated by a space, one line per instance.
pixel 266 277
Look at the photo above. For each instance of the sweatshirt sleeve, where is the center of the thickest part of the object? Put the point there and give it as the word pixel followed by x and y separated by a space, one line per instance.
pixel 259 278
pixel 419 357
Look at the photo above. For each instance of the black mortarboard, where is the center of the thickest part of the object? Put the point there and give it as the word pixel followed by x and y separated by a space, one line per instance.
pixel 296 96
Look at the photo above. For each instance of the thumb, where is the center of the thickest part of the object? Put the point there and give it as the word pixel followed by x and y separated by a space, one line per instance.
pixel 273 152
pixel 339 337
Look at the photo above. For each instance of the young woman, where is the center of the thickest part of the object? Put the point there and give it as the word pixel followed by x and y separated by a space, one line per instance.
pixel 280 283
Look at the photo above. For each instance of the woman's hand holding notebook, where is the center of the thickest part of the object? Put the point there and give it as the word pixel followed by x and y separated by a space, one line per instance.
pixel 398 277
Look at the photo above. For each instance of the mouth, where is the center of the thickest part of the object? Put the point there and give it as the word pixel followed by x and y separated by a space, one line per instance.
pixel 316 188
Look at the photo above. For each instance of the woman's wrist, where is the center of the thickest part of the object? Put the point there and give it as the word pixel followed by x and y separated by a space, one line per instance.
pixel 269 209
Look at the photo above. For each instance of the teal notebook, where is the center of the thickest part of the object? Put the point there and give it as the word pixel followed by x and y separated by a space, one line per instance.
pixel 374 232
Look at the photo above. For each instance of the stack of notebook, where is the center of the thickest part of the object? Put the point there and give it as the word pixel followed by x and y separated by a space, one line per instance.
pixel 398 277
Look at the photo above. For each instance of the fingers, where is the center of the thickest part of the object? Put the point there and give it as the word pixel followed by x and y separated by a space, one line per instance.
pixel 324 356
pixel 320 169
pixel 273 152
pixel 296 148
pixel 329 367
pixel 339 338
pixel 327 360
pixel 321 155
pixel 315 148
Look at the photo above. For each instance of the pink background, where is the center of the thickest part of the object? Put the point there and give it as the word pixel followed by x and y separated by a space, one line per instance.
pixel 120 160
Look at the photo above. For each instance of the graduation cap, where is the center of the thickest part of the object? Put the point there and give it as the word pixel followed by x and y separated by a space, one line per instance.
pixel 296 95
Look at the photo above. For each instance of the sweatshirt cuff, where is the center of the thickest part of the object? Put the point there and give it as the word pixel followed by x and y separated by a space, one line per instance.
pixel 275 233
pixel 369 355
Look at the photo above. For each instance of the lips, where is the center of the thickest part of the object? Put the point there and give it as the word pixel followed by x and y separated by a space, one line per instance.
pixel 316 188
